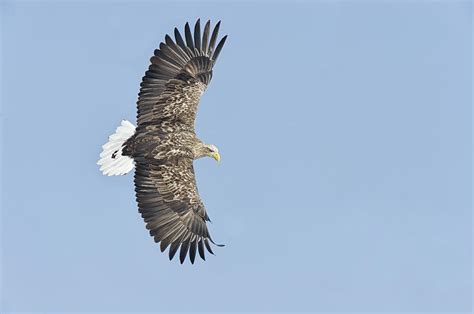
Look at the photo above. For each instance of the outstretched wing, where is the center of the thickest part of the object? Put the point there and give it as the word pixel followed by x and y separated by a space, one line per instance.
pixel 179 72
pixel 169 203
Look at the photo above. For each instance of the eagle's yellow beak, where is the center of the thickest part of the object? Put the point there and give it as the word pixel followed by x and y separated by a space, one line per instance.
pixel 216 156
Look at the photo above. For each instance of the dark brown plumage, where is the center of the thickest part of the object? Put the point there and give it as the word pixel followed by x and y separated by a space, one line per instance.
pixel 165 144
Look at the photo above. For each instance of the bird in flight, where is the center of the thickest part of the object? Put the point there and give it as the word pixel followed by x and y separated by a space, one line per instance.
pixel 163 145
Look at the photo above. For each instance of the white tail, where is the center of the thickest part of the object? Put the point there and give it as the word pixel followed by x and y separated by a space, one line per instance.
pixel 112 162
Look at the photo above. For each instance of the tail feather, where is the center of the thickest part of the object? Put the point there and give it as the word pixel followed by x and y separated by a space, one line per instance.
pixel 112 162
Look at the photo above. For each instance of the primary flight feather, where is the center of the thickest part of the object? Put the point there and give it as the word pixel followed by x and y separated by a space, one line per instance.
pixel 164 144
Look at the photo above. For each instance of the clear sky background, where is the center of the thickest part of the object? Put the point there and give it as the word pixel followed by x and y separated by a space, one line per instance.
pixel 345 180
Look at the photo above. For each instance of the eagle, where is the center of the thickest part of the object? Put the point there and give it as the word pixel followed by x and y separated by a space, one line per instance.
pixel 163 145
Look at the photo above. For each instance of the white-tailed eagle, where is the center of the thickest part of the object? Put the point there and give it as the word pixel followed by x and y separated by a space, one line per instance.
pixel 164 144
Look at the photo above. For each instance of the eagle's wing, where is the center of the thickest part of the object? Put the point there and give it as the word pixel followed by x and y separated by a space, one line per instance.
pixel 169 203
pixel 179 72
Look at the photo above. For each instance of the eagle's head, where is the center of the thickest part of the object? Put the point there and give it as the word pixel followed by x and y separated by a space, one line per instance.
pixel 209 150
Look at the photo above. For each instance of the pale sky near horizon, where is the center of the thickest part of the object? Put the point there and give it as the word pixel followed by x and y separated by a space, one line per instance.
pixel 345 179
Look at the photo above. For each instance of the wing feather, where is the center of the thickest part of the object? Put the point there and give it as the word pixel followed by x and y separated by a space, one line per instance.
pixel 218 48
pixel 205 37
pixel 184 250
pixel 173 249
pixel 189 37
pixel 197 35
pixel 201 250
pixel 179 39
pixel 215 32
pixel 208 246
pixel 192 249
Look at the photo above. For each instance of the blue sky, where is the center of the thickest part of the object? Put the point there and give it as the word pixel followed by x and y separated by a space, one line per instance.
pixel 345 181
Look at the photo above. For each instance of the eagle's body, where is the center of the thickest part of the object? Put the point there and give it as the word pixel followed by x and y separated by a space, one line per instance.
pixel 164 144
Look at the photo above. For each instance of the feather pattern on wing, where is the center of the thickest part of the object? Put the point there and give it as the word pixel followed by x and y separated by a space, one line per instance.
pixel 178 70
pixel 169 203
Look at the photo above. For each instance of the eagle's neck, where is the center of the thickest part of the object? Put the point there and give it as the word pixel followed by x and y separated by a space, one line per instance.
pixel 199 149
